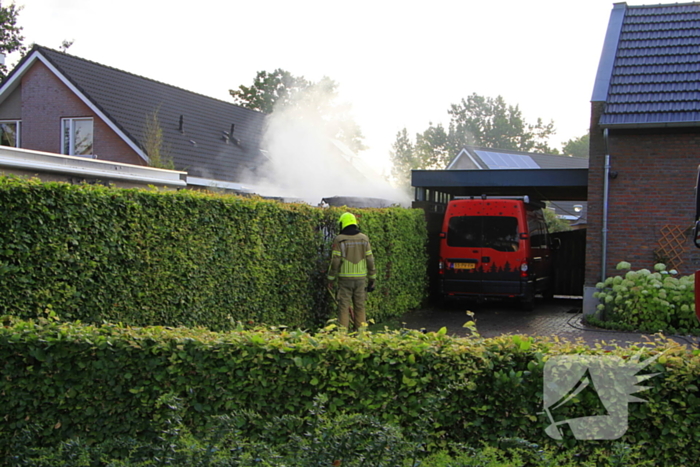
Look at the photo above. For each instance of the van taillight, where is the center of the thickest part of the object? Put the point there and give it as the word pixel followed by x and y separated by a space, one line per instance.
pixel 523 270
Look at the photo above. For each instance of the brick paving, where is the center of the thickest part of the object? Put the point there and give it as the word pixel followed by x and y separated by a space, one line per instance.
pixel 558 317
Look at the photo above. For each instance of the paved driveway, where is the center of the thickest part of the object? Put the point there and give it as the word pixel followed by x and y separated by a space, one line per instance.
pixel 557 317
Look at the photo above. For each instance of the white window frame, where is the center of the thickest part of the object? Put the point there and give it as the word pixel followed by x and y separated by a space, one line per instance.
pixel 71 136
pixel 18 131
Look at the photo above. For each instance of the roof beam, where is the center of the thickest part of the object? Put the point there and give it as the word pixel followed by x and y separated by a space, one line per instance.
pixel 545 184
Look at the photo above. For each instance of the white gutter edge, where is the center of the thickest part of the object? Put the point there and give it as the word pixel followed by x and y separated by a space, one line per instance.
pixel 211 183
pixel 55 163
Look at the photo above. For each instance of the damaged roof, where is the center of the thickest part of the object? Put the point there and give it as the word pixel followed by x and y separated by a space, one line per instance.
pixel 196 128
pixel 649 71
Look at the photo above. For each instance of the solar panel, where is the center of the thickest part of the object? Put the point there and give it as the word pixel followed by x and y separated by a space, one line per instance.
pixel 501 160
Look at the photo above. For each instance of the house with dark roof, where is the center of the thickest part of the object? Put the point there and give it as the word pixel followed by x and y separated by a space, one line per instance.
pixel 58 103
pixel 477 158
pixel 645 142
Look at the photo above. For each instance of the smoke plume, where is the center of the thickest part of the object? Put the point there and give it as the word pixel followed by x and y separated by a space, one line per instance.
pixel 306 159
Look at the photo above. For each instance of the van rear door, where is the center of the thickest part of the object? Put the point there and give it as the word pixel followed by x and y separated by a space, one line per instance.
pixel 481 255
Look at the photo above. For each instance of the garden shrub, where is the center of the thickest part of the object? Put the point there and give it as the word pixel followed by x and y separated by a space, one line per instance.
pixel 70 380
pixel 143 257
pixel 647 301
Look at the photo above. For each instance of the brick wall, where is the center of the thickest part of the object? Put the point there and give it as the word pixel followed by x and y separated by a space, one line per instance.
pixel 654 188
pixel 45 100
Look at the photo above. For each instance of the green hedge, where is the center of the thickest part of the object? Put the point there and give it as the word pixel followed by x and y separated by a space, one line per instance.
pixel 186 258
pixel 101 382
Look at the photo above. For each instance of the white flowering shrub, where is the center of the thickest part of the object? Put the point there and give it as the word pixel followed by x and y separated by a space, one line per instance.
pixel 647 301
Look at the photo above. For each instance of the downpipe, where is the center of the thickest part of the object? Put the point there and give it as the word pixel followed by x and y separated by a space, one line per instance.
pixel 606 192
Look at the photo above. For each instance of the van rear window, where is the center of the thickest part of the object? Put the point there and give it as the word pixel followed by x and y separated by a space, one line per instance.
pixel 499 233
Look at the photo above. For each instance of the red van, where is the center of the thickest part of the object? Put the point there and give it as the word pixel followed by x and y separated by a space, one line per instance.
pixel 495 247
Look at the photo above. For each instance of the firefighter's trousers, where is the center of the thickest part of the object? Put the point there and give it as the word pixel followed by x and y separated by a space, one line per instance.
pixel 351 293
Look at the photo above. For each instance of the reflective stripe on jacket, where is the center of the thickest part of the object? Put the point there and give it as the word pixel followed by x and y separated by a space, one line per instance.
pixel 352 257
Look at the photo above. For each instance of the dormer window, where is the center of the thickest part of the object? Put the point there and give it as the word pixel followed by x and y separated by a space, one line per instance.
pixel 77 136
pixel 9 133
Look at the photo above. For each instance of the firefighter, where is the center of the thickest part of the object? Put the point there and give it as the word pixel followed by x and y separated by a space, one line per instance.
pixel 352 264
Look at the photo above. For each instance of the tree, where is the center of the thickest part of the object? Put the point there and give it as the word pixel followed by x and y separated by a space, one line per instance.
pixel 66 44
pixel 433 148
pixel 554 223
pixel 10 34
pixel 403 158
pixel 280 91
pixel 491 123
pixel 577 147
pixel 153 143
pixel 268 89
pixel 475 121
pixel 431 151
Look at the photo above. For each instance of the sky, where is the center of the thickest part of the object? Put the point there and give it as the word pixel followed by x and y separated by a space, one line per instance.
pixel 400 64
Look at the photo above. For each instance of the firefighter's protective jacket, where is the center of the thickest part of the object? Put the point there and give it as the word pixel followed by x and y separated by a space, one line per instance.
pixel 352 256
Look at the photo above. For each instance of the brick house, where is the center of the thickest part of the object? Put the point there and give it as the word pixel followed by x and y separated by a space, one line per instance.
pixel 58 103
pixel 645 142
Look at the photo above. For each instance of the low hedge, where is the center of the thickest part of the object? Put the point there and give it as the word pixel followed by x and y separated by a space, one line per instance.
pixel 143 257
pixel 73 380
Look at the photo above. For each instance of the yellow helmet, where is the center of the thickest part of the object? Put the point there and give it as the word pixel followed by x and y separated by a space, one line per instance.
pixel 346 220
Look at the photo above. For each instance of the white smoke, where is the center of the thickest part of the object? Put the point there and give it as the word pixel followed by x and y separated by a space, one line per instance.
pixel 308 162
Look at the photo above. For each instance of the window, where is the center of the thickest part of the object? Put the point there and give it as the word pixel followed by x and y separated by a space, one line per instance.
pixel 499 233
pixel 9 133
pixel 77 135
pixel 538 229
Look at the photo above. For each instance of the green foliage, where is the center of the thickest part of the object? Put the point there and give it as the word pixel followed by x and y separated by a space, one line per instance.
pixel 314 439
pixel 68 381
pixel 431 151
pixel 403 159
pixel 554 223
pixel 153 143
pixel 280 91
pixel 329 441
pixel 335 441
pixel 648 301
pixel 488 122
pixel 11 39
pixel 577 147
pixel 475 121
pixel 269 90
pixel 185 258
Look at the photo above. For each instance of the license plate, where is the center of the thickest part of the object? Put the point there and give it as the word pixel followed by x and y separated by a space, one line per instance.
pixel 465 265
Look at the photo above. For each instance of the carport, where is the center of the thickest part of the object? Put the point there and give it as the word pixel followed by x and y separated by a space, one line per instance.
pixel 439 186
pixel 435 188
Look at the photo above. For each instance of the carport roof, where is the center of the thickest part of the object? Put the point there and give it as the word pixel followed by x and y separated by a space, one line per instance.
pixel 543 184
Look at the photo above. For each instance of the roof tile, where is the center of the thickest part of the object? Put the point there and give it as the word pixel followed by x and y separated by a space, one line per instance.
pixel 656 74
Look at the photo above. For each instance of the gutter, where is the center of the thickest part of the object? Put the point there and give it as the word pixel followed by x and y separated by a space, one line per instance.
pixel 224 185
pixel 44 162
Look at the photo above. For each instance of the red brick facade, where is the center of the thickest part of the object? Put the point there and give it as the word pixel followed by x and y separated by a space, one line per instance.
pixel 46 100
pixel 654 190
